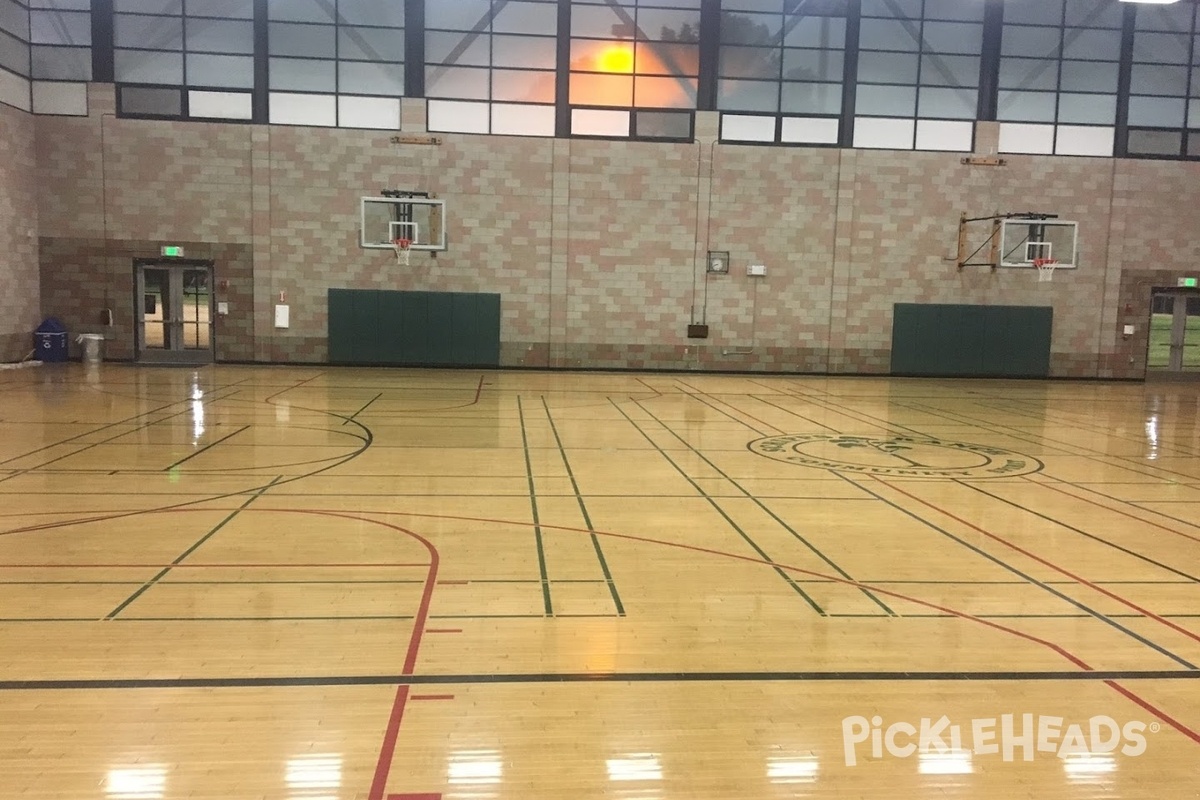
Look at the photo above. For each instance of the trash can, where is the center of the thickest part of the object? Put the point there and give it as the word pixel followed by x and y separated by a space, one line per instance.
pixel 93 347
pixel 50 341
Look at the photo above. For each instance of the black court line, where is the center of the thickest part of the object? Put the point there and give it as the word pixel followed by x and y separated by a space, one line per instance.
pixel 979 551
pixel 179 560
pixel 1079 531
pixel 768 511
pixel 999 404
pixel 299 618
pixel 537 526
pixel 845 411
pixel 1097 458
pixel 1029 578
pixel 109 441
pixel 86 447
pixel 701 494
pixel 350 419
pixel 106 426
pixel 592 677
pixel 1058 446
pixel 872 420
pixel 587 518
pixel 207 447
pixel 368 439
pixel 794 414
pixel 289 387
pixel 354 617
pixel 139 582
pixel 1050 615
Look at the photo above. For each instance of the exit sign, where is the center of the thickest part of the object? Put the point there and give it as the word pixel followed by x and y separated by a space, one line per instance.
pixel 172 251
pixel 1189 283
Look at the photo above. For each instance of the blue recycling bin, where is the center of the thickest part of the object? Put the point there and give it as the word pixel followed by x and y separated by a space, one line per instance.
pixel 50 341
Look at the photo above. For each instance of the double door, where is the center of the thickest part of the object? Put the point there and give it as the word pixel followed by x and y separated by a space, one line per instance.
pixel 174 313
pixel 1174 350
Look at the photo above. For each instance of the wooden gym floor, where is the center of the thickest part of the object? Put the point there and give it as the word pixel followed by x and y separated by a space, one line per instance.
pixel 242 582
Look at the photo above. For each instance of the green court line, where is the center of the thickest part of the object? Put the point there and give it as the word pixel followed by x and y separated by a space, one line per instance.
pixel 875 421
pixel 1100 540
pixel 206 447
pixel 148 584
pixel 1055 446
pixel 1048 616
pixel 537 526
pixel 1000 562
pixel 351 582
pixel 350 419
pixel 612 587
pixel 108 425
pixel 795 414
pixel 729 520
pixel 1003 405
pixel 758 502
pixel 981 425
pixel 120 435
pixel 536 580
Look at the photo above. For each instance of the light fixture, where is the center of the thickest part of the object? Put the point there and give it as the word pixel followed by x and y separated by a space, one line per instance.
pixel 1152 2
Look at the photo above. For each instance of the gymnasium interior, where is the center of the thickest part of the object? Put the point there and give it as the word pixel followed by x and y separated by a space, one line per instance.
pixel 641 399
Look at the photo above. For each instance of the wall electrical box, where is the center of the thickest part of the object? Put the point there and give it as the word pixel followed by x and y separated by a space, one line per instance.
pixel 756 270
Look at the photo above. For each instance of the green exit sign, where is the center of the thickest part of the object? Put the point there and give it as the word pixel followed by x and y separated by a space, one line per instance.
pixel 1189 283
pixel 172 251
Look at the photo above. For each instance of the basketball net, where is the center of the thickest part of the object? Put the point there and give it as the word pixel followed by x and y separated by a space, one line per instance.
pixel 403 250
pixel 1045 268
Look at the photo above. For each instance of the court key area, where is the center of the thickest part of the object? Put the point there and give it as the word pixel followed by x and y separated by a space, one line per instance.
pixel 309 582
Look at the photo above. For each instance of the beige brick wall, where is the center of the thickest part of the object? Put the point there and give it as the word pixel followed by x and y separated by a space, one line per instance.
pixel 19 290
pixel 597 246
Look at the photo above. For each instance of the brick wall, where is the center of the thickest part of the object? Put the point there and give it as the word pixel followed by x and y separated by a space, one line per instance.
pixel 598 247
pixel 19 302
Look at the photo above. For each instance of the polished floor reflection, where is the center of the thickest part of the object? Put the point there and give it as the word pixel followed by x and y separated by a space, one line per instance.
pixel 241 582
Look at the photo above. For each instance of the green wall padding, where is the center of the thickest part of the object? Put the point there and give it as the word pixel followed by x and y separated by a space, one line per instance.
pixel 966 340
pixel 373 326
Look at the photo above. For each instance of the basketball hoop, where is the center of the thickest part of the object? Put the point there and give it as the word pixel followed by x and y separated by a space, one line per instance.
pixel 1045 268
pixel 403 250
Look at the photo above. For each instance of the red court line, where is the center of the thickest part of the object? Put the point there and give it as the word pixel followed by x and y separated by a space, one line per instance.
pixel 1054 488
pixel 431 697
pixel 1046 562
pixel 388 748
pixel 1162 715
pixel 1174 723
pixel 387 752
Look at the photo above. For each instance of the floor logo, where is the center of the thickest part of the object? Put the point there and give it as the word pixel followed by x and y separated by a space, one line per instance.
pixel 907 456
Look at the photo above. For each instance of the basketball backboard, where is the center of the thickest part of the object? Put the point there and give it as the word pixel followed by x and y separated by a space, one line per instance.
pixel 1024 241
pixel 419 219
